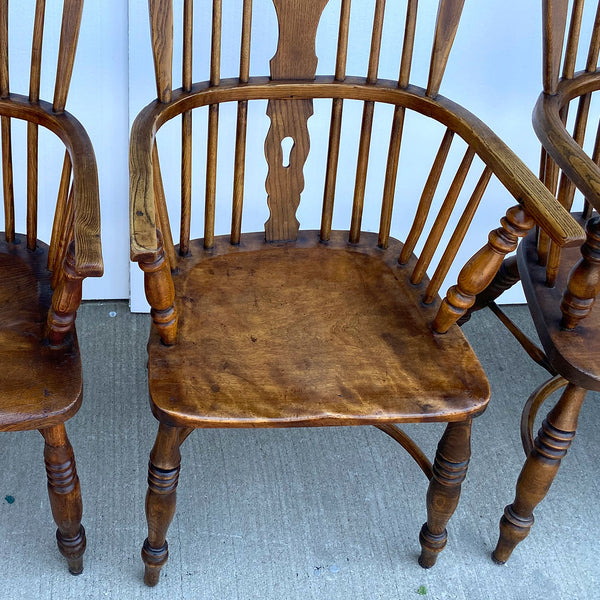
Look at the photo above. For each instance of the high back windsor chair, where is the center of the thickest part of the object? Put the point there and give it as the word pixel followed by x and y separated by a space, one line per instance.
pixel 291 327
pixel 40 284
pixel 561 285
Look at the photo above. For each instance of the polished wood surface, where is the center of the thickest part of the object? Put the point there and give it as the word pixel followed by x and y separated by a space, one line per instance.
pixel 40 283
pixel 291 319
pixel 288 327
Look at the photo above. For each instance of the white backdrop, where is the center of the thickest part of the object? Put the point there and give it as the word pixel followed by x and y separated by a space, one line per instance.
pixel 98 98
pixel 494 71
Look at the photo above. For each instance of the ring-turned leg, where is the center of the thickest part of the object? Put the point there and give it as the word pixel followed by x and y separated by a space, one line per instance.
pixel 540 468
pixel 449 471
pixel 163 476
pixel 65 496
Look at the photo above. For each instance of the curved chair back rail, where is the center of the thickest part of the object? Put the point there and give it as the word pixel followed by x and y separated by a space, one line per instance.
pixel 549 121
pixel 77 214
pixel 565 165
pixel 513 174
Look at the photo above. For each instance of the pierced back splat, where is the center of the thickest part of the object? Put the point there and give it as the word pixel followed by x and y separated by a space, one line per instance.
pixel 295 59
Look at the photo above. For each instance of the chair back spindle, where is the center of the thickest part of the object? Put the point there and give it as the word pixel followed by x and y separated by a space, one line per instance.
pixel 7 170
pixel 161 34
pixel 71 20
pixel 186 130
pixel 335 127
pixel 449 13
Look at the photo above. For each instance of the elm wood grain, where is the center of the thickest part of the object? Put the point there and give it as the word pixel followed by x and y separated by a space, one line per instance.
pixel 40 285
pixel 326 328
pixel 308 334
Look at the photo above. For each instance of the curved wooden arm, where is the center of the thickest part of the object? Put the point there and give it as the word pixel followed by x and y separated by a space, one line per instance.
pixel 524 186
pixel 557 141
pixel 88 251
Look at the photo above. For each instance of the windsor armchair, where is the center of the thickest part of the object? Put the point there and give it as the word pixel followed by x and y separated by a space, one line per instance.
pixel 40 284
pixel 294 327
pixel 561 284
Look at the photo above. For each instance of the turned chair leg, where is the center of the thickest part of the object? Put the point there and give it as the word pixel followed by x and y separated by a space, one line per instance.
pixel 65 496
pixel 449 471
pixel 540 468
pixel 163 476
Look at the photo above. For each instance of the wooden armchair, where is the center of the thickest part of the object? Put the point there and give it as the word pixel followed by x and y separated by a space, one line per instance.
pixel 290 327
pixel 561 285
pixel 40 284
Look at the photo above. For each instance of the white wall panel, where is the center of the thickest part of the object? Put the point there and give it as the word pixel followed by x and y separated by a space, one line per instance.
pixel 98 98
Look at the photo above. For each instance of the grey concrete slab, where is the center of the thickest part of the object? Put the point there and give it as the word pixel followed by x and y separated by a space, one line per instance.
pixel 305 513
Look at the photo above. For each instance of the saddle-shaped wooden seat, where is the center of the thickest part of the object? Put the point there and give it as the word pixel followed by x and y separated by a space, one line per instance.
pixel 304 333
pixel 51 376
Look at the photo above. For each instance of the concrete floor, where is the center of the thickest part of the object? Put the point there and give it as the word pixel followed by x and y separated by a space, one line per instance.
pixel 306 513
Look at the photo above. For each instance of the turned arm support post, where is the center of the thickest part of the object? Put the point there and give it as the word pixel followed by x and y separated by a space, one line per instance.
pixel 65 300
pixel 481 269
pixel 584 280
pixel 160 293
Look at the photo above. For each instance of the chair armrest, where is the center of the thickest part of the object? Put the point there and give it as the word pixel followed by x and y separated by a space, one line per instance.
pixel 557 141
pixel 142 222
pixel 88 250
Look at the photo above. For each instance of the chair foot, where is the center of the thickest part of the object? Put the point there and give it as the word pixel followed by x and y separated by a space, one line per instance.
pixel 64 493
pixel 449 471
pixel 431 546
pixel 538 472
pixel 163 476
pixel 154 560
pixel 513 530
pixel 72 549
